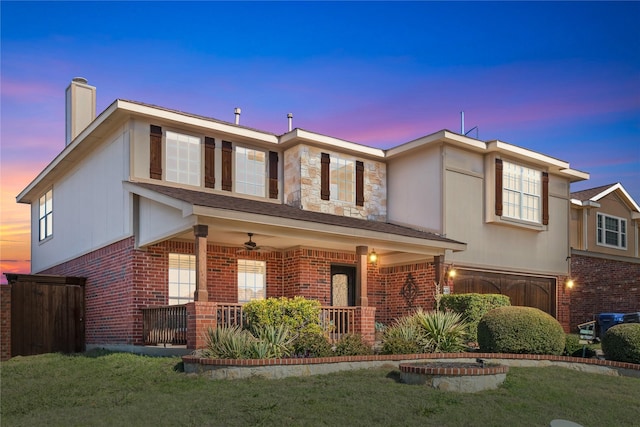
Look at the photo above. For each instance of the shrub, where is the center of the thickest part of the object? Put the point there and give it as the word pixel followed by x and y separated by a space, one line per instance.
pixel 521 330
pixel 472 307
pixel 622 343
pixel 298 313
pixel 401 337
pixel 227 343
pixel 425 332
pixel 352 345
pixel 312 344
pixel 440 331
pixel 272 342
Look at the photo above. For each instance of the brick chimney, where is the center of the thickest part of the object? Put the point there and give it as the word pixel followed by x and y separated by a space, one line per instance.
pixel 80 108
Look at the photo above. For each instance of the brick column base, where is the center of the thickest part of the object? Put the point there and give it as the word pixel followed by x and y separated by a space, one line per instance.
pixel 365 323
pixel 200 316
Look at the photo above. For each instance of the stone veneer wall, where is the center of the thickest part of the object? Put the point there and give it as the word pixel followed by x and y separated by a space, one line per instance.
pixel 302 185
pixel 603 286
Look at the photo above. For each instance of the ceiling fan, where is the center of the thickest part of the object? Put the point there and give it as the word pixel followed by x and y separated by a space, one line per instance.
pixel 251 245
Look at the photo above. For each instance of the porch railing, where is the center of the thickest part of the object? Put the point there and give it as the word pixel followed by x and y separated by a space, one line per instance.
pixel 165 325
pixel 168 324
pixel 337 321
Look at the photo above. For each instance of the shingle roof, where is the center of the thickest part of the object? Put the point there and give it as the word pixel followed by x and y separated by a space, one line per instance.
pixel 590 192
pixel 231 203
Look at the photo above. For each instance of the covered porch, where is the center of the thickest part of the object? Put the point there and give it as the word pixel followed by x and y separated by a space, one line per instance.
pixel 319 256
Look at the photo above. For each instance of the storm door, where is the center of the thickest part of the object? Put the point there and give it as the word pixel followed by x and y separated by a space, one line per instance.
pixel 343 286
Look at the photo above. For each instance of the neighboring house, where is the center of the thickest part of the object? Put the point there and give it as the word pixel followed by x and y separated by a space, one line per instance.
pixel 605 252
pixel 158 207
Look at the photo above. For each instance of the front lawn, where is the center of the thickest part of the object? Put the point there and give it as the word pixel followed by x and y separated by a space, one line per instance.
pixel 124 389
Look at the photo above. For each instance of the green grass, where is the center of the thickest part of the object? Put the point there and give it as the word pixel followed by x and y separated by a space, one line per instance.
pixel 124 389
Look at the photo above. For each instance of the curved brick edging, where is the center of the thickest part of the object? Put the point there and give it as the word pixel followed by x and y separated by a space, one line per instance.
pixel 280 368
pixel 432 369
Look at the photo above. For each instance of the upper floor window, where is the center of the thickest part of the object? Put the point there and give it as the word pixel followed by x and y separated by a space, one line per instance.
pixel 252 276
pixel 343 179
pixel 46 215
pixel 250 171
pixel 611 231
pixel 521 192
pixel 182 158
pixel 182 278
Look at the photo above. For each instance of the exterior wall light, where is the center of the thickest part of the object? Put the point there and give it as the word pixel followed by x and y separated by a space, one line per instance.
pixel 569 284
pixel 373 257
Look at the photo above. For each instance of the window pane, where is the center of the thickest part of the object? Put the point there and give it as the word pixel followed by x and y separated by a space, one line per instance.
pixel 250 171
pixel 342 179
pixel 522 187
pixel 183 158
pixel 182 278
pixel 251 280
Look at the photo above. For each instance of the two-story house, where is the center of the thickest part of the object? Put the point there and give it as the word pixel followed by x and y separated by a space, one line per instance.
pixel 605 252
pixel 158 207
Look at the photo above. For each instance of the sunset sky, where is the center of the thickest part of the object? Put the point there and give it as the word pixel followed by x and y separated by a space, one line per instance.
pixel 559 78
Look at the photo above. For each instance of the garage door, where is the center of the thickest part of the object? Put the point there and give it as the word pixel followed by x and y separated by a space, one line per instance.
pixel 529 291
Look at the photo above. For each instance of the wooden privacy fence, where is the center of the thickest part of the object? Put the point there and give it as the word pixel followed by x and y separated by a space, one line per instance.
pixel 47 314
pixel 168 324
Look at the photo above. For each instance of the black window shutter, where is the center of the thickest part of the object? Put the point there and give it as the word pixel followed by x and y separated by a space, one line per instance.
pixel 324 176
pixel 155 152
pixel 545 198
pixel 498 189
pixel 359 183
pixel 273 175
pixel 209 162
pixel 227 181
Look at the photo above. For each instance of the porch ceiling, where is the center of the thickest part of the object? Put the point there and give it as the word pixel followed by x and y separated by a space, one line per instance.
pixel 278 227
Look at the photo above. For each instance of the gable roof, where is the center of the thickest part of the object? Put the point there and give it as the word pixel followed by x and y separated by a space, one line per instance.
pixel 277 210
pixel 597 193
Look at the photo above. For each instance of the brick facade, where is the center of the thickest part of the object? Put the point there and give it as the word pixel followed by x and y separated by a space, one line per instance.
pixel 121 280
pixel 5 322
pixel 603 286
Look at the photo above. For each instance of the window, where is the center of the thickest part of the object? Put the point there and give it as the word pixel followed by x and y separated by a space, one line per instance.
pixel 250 171
pixel 251 280
pixel 343 179
pixel 611 231
pixel 522 188
pixel 46 215
pixel 182 278
pixel 183 158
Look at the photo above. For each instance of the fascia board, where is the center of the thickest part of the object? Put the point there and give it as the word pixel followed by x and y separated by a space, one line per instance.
pixel 184 207
pixel 440 136
pixel 620 188
pixel 585 203
pixel 303 136
pixel 185 119
pixel 329 231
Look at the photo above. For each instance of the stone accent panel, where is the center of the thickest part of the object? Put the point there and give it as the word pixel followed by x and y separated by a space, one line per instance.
pixel 302 185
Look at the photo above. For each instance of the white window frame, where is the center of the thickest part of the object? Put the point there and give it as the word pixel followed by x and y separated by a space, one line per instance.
pixel 250 171
pixel 602 232
pixel 45 216
pixel 183 158
pixel 521 192
pixel 342 181
pixel 252 280
pixel 181 278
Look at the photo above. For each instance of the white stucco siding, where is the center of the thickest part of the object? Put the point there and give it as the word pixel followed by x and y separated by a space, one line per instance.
pixel 90 207
pixel 499 246
pixel 159 222
pixel 414 192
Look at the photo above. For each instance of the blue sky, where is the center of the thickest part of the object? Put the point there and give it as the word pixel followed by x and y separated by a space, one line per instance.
pixel 561 78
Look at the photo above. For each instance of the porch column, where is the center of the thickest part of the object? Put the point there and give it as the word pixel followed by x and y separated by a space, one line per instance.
pixel 362 299
pixel 201 232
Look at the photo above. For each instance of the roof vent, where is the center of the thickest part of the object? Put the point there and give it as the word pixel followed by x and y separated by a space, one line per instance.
pixel 290 118
pixel 237 112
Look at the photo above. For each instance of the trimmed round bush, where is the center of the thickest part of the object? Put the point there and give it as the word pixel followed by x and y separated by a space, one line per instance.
pixel 472 307
pixel 622 343
pixel 312 344
pixel 520 330
pixel 352 345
